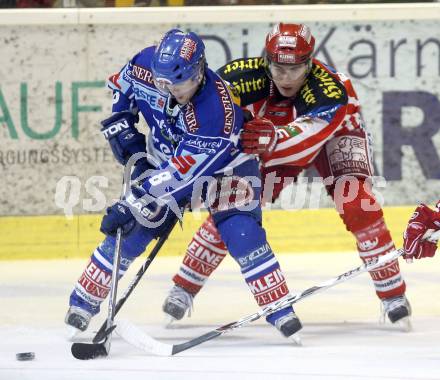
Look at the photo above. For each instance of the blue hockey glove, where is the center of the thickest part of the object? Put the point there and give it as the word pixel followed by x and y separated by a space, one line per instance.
pixel 118 215
pixel 124 139
pixel 121 213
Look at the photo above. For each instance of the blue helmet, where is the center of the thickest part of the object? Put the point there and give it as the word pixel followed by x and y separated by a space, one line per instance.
pixel 178 56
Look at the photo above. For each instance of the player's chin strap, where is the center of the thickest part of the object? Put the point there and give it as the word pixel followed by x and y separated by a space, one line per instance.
pixel 140 339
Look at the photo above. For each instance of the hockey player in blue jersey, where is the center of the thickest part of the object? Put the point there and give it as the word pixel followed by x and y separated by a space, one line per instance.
pixel 193 148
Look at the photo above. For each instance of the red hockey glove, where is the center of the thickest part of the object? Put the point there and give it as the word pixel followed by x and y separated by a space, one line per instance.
pixel 423 219
pixel 259 136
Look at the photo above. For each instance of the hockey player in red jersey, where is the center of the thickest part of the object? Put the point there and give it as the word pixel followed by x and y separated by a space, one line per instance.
pixel 422 220
pixel 306 113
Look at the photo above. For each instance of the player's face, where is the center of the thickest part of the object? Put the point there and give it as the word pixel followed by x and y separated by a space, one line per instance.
pixel 182 91
pixel 288 78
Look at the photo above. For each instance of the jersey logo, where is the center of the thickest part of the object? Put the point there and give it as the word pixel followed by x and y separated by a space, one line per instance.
pixel 183 163
pixel 190 118
pixel 227 106
pixel 143 74
pixel 115 128
pixel 307 94
pixel 114 80
pixel 327 83
pixel 289 130
pixel 150 95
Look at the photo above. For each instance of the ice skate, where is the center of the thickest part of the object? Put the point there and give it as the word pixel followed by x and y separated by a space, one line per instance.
pixel 77 320
pixel 178 302
pixel 398 311
pixel 289 325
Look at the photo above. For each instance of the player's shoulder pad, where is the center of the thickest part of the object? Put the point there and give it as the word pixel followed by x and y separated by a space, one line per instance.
pixel 137 68
pixel 248 78
pixel 140 69
pixel 323 88
pixel 144 56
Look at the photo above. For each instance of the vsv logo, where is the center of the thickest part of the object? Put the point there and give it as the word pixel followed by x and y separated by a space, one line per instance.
pixel 183 163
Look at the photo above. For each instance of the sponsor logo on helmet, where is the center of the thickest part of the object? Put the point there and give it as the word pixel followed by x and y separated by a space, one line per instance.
pixel 287 42
pixel 188 48
pixel 286 58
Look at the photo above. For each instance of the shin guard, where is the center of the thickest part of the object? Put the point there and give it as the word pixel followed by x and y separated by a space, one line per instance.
pixel 364 218
pixel 94 284
pixel 375 241
pixel 246 241
pixel 203 255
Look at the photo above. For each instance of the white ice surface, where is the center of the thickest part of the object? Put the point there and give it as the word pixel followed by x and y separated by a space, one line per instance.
pixel 342 338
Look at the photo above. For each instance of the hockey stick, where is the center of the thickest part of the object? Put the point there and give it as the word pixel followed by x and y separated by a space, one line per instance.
pixel 102 332
pixel 86 351
pixel 138 338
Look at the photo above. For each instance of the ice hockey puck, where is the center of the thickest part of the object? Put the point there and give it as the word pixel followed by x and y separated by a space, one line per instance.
pixel 23 356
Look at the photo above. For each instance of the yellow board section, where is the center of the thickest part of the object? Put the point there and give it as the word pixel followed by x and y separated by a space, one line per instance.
pixel 55 237
pixel 124 3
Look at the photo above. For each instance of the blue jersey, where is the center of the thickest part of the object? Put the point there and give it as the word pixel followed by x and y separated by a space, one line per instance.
pixel 198 139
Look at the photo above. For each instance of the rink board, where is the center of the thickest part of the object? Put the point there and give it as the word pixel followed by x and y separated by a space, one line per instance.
pixel 55 237
pixel 53 95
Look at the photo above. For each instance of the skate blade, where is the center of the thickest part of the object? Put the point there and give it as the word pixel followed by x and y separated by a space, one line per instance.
pixel 72 333
pixel 405 324
pixel 296 340
pixel 168 321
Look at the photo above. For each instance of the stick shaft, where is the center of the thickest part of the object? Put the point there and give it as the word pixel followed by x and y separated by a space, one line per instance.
pixel 102 332
pixel 289 301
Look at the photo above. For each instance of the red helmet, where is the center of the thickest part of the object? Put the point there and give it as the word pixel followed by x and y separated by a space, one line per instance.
pixel 289 44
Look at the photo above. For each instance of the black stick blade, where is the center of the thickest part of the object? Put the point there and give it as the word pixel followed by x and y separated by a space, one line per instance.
pixel 103 334
pixel 87 351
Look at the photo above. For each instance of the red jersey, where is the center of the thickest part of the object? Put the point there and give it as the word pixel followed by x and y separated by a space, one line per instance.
pixel 324 107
